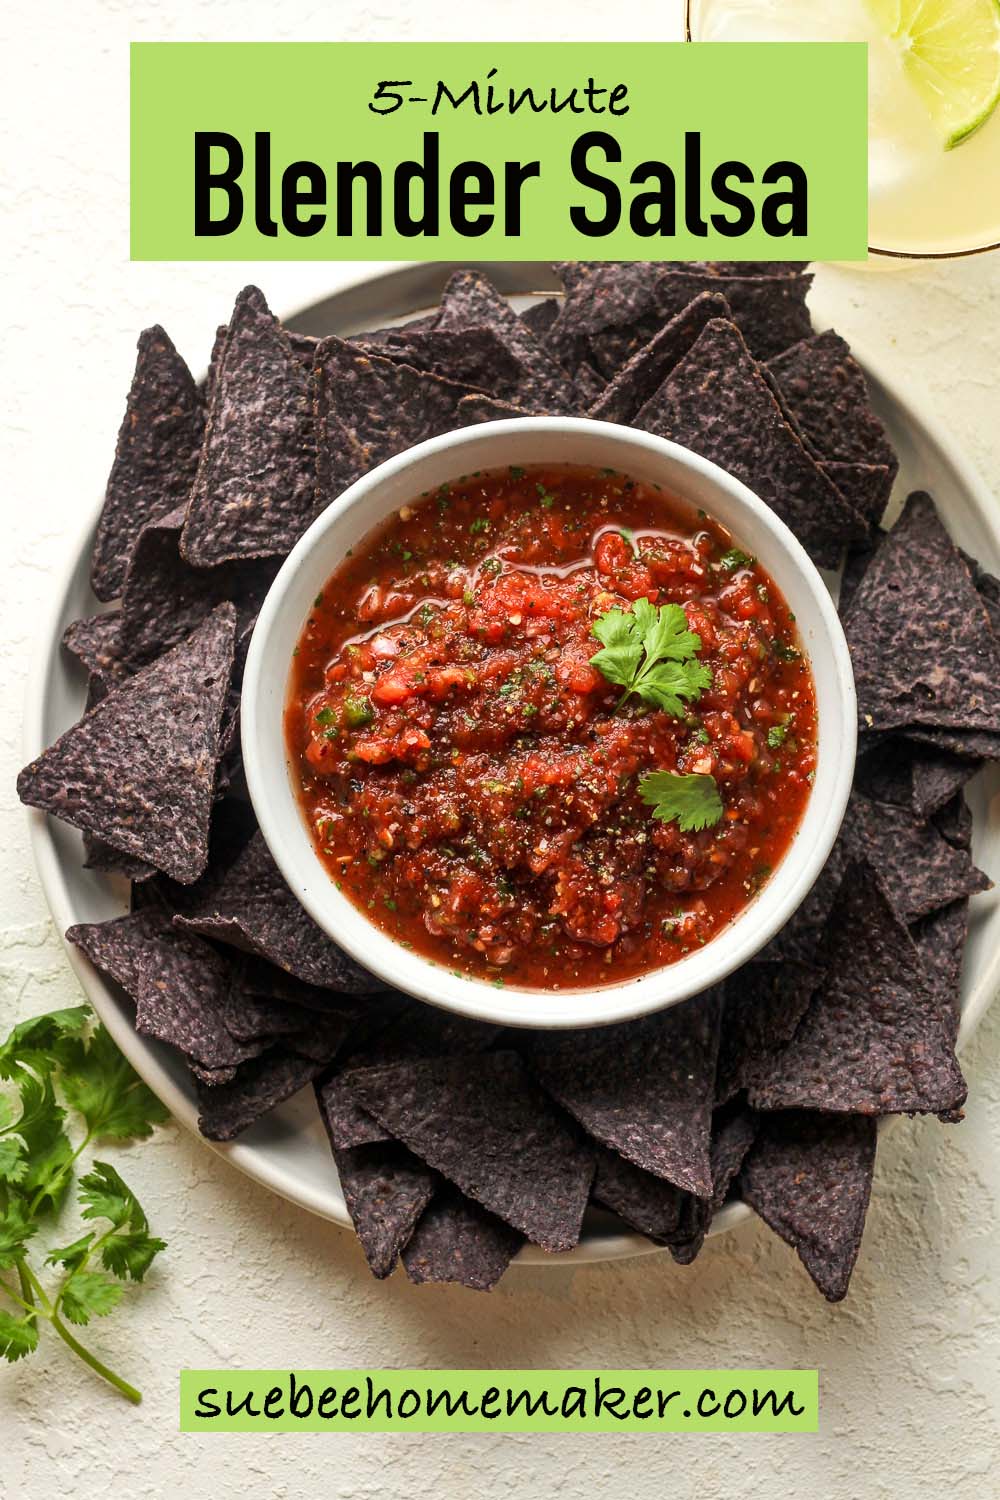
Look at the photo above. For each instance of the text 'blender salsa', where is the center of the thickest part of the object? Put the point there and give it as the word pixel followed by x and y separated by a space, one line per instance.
pixel 481 790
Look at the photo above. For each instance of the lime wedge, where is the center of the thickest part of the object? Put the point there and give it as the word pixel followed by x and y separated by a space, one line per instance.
pixel 950 51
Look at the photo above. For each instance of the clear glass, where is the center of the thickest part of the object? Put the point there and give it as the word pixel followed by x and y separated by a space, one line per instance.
pixel 924 201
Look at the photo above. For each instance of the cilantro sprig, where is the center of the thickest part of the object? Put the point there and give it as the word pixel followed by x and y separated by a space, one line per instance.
pixel 56 1071
pixel 692 801
pixel 652 654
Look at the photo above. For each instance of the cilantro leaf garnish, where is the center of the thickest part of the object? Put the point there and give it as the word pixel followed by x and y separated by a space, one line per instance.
pixel 59 1075
pixel 101 1085
pixel 651 653
pixel 13 1164
pixel 16 1228
pixel 90 1294
pixel 18 1337
pixel 692 801
pixel 39 1036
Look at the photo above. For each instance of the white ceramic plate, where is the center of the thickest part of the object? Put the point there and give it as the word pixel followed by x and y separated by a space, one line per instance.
pixel 287 1151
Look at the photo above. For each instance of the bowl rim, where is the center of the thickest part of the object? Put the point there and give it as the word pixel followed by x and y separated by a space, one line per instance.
pixel 271 788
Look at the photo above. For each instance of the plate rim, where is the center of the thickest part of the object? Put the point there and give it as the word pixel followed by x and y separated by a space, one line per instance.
pixel 142 1053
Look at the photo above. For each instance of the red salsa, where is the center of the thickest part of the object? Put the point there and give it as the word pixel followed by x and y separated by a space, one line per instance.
pixel 473 781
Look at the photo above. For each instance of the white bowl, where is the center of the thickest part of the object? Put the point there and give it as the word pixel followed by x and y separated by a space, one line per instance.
pixel 493 445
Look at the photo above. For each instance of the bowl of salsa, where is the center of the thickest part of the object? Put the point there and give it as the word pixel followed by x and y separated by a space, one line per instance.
pixel 549 722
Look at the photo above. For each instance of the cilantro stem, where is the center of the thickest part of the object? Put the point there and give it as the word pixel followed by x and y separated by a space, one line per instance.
pixel 128 1391
pixel 26 1290
pixel 28 1306
pixel 98 1366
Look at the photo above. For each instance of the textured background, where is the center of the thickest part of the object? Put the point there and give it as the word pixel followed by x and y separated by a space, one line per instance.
pixel 910 1368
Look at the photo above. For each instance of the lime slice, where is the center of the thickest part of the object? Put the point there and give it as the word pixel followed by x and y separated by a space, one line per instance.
pixel 950 51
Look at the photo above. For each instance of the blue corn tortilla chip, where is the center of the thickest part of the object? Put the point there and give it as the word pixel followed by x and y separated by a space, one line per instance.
pixel 476 358
pixel 921 869
pixel 250 1017
pixel 612 309
pixel 386 1190
pixel 486 1126
pixel 809 1177
pixel 770 311
pixel 940 941
pixel 588 386
pixel 911 775
pixel 954 823
pixel 155 460
pixel 646 1203
pixel 304 346
pixel 264 1002
pixel 99 855
pixel 975 744
pixel 471 302
pixel 873 1040
pixel 475 408
pixel 645 372
pixel 733 1133
pixel 254 492
pixel 120 948
pixel 859 555
pixel 825 390
pixel 716 402
pixel 923 649
pixel 749 267
pixel 164 598
pixel 258 1086
pixel 988 589
pixel 419 1031
pixel 678 1220
pixel 214 363
pixel 369 409
pixel 111 861
pixel 540 316
pixel 181 1001
pixel 378 339
pixel 936 779
pixel 253 909
pixel 305 1029
pixel 164 601
pixel 231 826
pixel 763 1004
pixel 179 984
pixel 96 644
pixel 480 358
pixel 347 1123
pixel 458 1241
pixel 614 301
pixel 865 487
pixel 643 1088
pixel 139 770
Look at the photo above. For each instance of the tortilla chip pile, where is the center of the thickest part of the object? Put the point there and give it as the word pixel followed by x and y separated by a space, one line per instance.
pixel 456 1141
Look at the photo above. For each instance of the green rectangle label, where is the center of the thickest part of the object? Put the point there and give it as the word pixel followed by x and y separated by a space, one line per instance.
pixel 421 151
pixel 499 1400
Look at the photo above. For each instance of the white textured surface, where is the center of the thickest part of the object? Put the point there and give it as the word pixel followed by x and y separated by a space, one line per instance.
pixel 910 1366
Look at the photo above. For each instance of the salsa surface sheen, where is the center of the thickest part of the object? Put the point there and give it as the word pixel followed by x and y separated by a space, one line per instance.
pixel 471 780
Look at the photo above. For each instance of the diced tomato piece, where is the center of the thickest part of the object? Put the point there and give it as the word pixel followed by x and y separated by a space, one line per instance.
pixel 391 690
